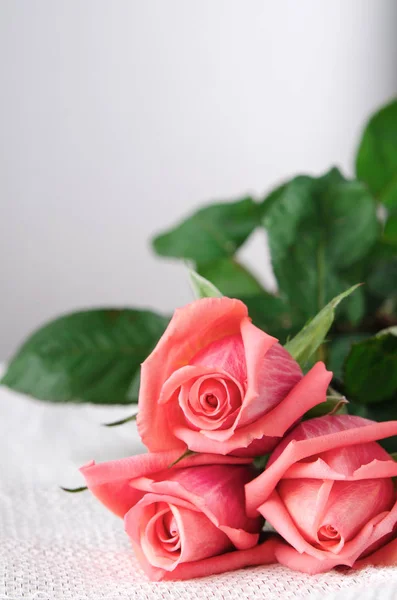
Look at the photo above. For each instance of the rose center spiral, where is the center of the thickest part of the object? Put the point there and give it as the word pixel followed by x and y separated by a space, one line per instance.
pixel 210 401
pixel 327 533
pixel 167 532
pixel 161 540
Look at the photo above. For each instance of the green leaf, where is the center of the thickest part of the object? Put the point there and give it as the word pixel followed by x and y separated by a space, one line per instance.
pixel 308 340
pixel 231 278
pixel 203 288
pixel 74 490
pixel 334 405
pixel 260 462
pixel 271 313
pixel 390 231
pixel 376 161
pixel 355 307
pixel 382 282
pixel 272 198
pixel 318 229
pixel 89 356
pixel 213 232
pixel 338 349
pixel 120 421
pixel 371 368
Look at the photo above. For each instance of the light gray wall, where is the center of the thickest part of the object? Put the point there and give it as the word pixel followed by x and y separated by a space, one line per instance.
pixel 119 117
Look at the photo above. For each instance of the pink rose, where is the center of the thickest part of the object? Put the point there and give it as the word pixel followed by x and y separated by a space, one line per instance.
pixel 216 383
pixel 327 490
pixel 185 521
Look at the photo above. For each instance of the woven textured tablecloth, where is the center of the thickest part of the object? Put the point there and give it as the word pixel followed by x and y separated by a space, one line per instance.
pixel 58 546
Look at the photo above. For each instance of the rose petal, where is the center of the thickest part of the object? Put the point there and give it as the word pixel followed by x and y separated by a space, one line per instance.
pixel 110 481
pixel 183 339
pixel 248 358
pixel 376 469
pixel 382 530
pixel 384 557
pixel 352 504
pixel 313 470
pixel 226 354
pixel 258 447
pixel 289 557
pixel 361 431
pixel 180 377
pixel 305 501
pixel 228 397
pixel 319 427
pixel 218 492
pixel 199 537
pixel 271 373
pixel 309 392
pixel 277 515
pixel 261 554
pixel 348 460
pixel 154 546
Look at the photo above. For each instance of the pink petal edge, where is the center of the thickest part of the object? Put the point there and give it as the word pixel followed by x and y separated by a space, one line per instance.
pixel 309 392
pixel 262 554
pixel 110 481
pixel 183 338
pixel 258 490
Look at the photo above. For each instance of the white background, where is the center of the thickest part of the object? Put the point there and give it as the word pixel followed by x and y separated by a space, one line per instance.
pixel 119 117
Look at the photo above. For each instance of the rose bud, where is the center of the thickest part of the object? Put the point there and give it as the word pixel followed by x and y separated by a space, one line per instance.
pixel 216 383
pixel 328 491
pixel 184 521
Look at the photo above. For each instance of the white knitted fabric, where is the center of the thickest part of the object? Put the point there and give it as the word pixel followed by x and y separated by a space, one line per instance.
pixel 58 546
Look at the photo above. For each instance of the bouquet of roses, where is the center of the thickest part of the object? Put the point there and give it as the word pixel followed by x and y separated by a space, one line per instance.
pixel 216 393
pixel 270 418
